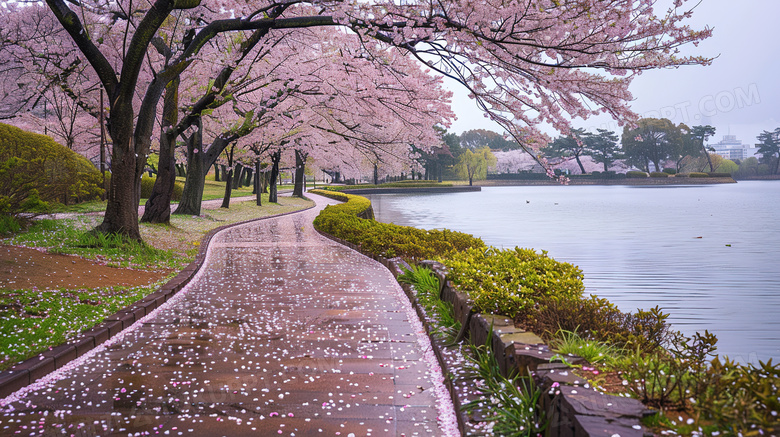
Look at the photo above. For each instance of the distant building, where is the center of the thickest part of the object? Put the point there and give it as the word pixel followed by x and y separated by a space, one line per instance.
pixel 732 148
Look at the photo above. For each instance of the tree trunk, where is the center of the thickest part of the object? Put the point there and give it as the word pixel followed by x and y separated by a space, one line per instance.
pixel 216 173
pixel 258 181
pixel 582 168
pixel 238 170
pixel 248 178
pixel 709 159
pixel 229 178
pixel 121 215
pixel 200 160
pixel 275 158
pixel 264 180
pixel 300 176
pixel 193 186
pixel 124 191
pixel 376 174
pixel 158 206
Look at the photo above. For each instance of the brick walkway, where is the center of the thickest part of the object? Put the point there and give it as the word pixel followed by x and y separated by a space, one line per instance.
pixel 282 332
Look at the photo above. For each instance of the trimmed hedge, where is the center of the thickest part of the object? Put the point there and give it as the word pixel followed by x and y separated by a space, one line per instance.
pixel 698 174
pixel 659 174
pixel 386 239
pixel 636 174
pixel 35 170
pixel 670 171
pixel 508 281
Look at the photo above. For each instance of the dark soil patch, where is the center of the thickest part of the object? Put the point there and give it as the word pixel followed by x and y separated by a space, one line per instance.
pixel 23 268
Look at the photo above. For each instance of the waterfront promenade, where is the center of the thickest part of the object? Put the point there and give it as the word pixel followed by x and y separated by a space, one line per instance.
pixel 281 332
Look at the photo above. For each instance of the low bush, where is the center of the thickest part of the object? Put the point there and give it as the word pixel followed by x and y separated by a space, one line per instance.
pixel 668 378
pixel 35 171
pixel 659 174
pixel 670 171
pixel 507 281
pixel 147 183
pixel 698 174
pixel 740 398
pixel 682 175
pixel 9 225
pixel 719 175
pixel 597 319
pixel 636 174
pixel 386 239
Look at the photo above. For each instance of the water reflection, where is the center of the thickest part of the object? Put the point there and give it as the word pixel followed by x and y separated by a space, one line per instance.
pixel 706 254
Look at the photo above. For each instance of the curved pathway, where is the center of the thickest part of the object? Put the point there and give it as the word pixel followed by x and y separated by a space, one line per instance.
pixel 282 332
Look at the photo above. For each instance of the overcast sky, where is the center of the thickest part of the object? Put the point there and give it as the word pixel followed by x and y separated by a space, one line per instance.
pixel 738 94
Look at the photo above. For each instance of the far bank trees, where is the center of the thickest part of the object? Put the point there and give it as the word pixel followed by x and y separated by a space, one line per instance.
pixel 769 148
pixel 655 141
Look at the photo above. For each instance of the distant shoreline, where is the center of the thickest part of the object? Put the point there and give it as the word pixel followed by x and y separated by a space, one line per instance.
pixel 552 182
pixel 623 181
pixel 404 190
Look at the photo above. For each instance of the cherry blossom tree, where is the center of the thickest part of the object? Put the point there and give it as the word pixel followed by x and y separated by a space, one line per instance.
pixel 524 63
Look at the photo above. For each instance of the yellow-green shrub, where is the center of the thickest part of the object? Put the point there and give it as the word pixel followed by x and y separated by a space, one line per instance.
pixel 32 163
pixel 507 281
pixel 386 239
pixel 147 183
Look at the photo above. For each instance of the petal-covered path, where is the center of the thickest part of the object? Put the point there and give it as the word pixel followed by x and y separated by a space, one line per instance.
pixel 282 332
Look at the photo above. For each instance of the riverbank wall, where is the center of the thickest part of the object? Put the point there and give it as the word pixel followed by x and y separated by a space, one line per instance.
pixel 412 190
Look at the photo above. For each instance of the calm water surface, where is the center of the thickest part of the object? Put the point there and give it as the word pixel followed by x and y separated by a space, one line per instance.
pixel 708 255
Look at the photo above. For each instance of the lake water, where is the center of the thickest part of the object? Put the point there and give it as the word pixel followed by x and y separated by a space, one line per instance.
pixel 708 255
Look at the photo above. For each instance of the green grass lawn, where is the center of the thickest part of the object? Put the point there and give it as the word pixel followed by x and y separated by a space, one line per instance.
pixel 212 190
pixel 33 320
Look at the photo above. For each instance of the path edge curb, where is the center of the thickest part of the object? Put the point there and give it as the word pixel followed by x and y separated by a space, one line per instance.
pixel 29 371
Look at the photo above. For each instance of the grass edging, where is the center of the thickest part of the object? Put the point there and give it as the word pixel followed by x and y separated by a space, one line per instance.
pixel 32 369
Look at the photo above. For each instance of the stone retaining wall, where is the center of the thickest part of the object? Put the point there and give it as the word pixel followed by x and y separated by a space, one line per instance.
pixel 410 190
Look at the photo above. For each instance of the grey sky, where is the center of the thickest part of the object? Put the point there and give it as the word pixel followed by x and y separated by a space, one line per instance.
pixel 738 93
